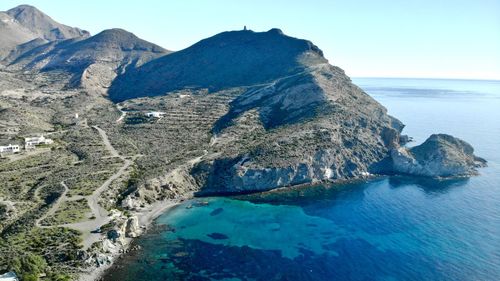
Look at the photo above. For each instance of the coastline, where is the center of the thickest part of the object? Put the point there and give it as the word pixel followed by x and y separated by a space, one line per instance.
pixel 146 218
pixel 147 215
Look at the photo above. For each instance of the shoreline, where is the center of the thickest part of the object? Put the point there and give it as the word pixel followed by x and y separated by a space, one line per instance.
pixel 146 218
pixel 147 215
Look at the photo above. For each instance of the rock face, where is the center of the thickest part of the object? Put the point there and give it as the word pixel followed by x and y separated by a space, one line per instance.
pixel 439 156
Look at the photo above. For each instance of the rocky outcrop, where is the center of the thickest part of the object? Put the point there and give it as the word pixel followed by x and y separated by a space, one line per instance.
pixel 132 228
pixel 307 128
pixel 440 155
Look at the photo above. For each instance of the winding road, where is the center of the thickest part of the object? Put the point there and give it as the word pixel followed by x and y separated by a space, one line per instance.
pixel 101 215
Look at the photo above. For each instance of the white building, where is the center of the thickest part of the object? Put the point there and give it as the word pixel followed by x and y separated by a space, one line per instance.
pixel 9 149
pixel 155 114
pixel 30 143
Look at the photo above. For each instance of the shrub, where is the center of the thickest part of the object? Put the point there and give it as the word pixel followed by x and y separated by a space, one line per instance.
pixel 28 266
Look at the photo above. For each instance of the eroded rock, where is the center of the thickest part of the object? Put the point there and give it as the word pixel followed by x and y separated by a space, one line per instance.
pixel 440 155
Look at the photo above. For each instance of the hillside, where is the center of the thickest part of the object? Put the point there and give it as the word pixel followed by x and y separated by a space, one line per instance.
pixel 95 60
pixel 229 59
pixel 238 112
pixel 12 34
pixel 25 23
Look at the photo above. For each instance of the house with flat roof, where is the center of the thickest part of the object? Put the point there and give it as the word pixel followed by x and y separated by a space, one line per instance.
pixel 155 114
pixel 7 149
pixel 32 142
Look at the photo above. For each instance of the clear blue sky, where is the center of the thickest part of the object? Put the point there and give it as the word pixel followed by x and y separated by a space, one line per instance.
pixel 367 38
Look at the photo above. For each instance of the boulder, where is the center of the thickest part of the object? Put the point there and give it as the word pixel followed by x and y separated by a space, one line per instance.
pixel 132 228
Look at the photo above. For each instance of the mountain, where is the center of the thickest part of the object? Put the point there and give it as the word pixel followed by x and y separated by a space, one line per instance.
pixel 293 119
pixel 94 60
pixel 228 59
pixel 12 34
pixel 241 111
pixel 23 24
pixel 42 25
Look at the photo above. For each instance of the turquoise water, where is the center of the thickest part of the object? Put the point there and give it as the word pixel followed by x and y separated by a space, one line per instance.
pixel 397 228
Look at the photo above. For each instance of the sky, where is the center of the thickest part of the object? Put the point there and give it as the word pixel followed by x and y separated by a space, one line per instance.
pixel 367 38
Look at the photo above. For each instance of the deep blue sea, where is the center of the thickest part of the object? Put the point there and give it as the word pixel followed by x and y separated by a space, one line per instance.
pixel 392 228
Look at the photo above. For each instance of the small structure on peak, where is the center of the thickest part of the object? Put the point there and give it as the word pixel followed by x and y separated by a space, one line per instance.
pixel 245 27
pixel 32 142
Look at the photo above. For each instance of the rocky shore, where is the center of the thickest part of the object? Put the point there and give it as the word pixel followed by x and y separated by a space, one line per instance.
pixel 118 239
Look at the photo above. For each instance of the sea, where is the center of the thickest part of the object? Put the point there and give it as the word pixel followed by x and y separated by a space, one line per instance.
pixel 387 228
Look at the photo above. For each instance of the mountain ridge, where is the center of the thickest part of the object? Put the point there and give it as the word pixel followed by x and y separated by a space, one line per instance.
pixel 96 59
pixel 227 59
pixel 43 25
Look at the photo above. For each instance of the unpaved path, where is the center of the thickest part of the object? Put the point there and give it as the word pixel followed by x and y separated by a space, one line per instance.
pixel 101 215
pixel 108 145
pixel 54 207
pixel 124 113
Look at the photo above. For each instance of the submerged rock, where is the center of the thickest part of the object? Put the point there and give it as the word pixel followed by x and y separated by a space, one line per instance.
pixel 217 236
pixel 216 211
pixel 440 155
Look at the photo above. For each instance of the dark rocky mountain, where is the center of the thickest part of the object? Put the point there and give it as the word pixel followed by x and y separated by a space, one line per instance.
pixel 228 59
pixel 42 25
pixel 93 61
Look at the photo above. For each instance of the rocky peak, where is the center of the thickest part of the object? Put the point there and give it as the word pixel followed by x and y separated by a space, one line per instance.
pixel 123 39
pixel 43 25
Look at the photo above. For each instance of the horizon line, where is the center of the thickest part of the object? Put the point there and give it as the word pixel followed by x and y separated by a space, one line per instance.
pixel 424 78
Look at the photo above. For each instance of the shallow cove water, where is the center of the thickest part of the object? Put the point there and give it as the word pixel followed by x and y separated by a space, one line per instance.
pixel 394 228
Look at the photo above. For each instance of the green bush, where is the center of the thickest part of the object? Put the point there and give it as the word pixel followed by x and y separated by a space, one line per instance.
pixel 28 267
